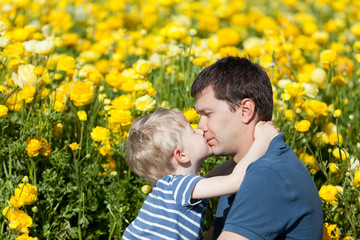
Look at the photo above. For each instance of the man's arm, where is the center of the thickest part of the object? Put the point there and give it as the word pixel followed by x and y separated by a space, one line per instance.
pixel 226 235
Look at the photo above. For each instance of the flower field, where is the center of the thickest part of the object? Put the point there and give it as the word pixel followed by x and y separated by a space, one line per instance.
pixel 75 74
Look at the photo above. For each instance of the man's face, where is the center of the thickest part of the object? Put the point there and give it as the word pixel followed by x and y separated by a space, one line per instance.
pixel 222 127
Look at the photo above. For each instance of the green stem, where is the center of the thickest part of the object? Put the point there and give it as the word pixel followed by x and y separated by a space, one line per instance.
pixel 78 182
pixel 3 223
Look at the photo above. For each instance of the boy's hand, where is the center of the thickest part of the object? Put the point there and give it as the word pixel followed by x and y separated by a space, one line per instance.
pixel 265 131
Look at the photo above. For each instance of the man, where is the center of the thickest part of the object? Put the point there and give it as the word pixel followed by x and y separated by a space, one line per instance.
pixel 278 198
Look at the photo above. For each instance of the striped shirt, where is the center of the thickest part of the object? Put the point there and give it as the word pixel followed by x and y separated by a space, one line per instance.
pixel 169 212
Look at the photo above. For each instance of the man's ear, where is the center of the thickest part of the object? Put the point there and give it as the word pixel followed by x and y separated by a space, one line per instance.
pixel 180 157
pixel 247 110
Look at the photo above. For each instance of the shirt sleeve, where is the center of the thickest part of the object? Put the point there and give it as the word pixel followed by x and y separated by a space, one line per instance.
pixel 183 187
pixel 261 206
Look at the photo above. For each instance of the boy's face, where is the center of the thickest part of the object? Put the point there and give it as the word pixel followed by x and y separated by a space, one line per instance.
pixel 195 146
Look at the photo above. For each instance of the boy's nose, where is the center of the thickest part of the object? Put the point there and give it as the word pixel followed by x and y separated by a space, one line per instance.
pixel 199 131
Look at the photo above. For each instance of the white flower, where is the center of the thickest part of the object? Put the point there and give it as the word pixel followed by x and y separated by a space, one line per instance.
pixel 25 76
pixel 3 42
pixel 145 103
pixel 311 89
pixel 283 82
pixel 2 28
pixel 44 47
pixel 30 45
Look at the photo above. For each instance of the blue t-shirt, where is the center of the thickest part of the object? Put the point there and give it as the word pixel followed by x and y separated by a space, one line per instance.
pixel 169 212
pixel 277 199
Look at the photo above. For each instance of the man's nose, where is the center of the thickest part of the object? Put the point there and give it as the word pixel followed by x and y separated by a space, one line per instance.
pixel 202 124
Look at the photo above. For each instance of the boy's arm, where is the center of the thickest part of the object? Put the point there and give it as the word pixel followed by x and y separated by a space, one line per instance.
pixel 230 184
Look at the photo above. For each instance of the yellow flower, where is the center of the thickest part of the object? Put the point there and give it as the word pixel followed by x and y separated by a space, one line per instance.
pixel 254 51
pixel 123 102
pixel 143 67
pixel 2 88
pixel 27 93
pixel 105 149
pixel 357 57
pixel 295 89
pixel 94 77
pixel 328 56
pixel 82 93
pixel 58 129
pixel 146 189
pixel 200 61
pixel 328 193
pixel 14 50
pixel 309 161
pixel 191 115
pixel 333 168
pixel 114 79
pixel 60 95
pixel 145 103
pixel 355 29
pixel 192 32
pixel 230 51
pixel 25 76
pixel 18 219
pixel 14 64
pixel 82 115
pixel 69 39
pixel 33 147
pixel 356 182
pixel 320 138
pixel 316 108
pixel 303 126
pixel 24 237
pixel 67 64
pixel 14 102
pixel 38 71
pixel 120 120
pixel 46 147
pixel 3 110
pixel 227 36
pixel 337 113
pixel 329 230
pixel 339 80
pixel 100 134
pixel 334 137
pixel 74 146
pixel 340 153
pixel 24 195
pixel 289 114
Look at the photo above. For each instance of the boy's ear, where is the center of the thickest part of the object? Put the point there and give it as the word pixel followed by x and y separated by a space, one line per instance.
pixel 247 110
pixel 180 157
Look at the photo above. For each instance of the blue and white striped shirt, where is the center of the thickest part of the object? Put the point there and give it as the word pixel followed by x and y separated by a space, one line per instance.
pixel 169 212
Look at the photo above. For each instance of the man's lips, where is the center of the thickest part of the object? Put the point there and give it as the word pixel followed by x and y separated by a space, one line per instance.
pixel 209 140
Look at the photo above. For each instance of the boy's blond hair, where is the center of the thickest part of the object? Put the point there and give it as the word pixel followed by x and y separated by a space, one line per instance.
pixel 151 142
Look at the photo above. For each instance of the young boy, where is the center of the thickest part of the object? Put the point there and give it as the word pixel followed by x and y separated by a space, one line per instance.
pixel 166 151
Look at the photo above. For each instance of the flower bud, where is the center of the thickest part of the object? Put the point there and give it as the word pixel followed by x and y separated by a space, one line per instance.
pixel 35 209
pixel 25 180
pixel 146 189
